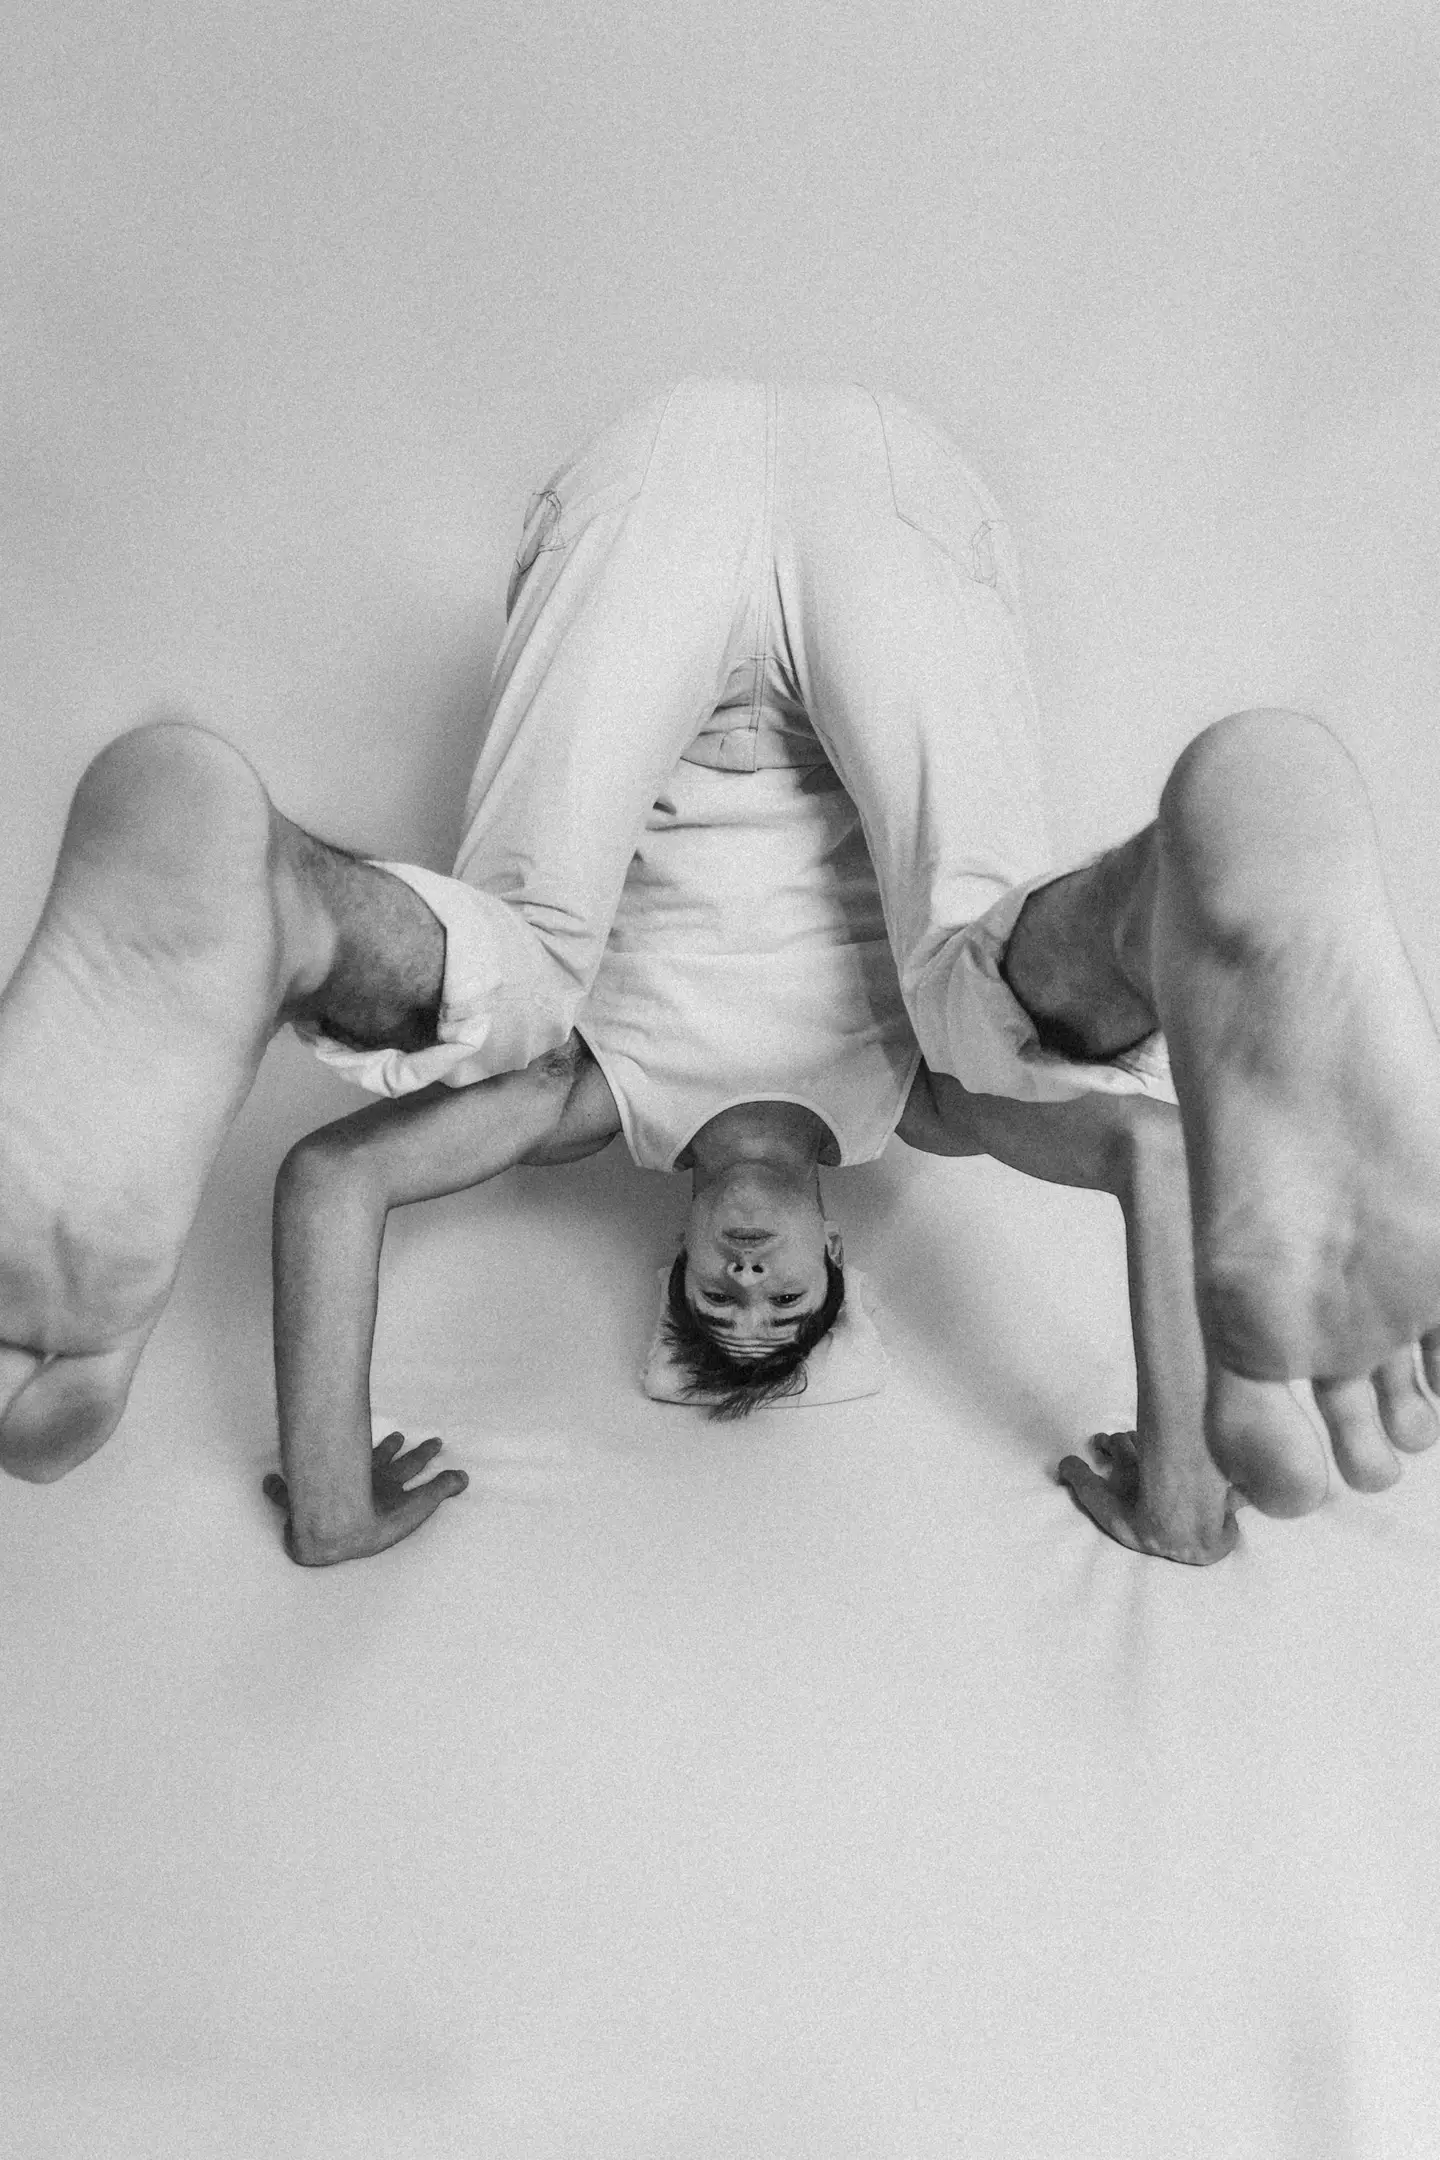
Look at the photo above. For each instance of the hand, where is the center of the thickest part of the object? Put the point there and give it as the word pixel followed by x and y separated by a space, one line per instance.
pixel 1195 1525
pixel 395 1513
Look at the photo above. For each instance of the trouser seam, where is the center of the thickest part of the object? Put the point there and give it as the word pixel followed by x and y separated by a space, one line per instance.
pixel 764 572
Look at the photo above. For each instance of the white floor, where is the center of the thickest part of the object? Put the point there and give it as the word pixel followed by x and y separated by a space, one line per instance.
pixel 824 1786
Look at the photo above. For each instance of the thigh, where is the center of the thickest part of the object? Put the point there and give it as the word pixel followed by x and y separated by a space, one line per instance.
pixel 628 608
pixel 897 589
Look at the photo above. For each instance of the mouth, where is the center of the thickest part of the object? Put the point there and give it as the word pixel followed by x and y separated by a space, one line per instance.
pixel 746 1237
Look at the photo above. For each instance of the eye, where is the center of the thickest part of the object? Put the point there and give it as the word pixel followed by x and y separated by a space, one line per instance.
pixel 790 1297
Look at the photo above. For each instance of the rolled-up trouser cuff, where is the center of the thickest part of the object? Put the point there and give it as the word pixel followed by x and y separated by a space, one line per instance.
pixel 971 1024
pixel 503 1002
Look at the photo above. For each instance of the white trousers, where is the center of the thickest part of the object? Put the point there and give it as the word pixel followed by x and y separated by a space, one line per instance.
pixel 735 574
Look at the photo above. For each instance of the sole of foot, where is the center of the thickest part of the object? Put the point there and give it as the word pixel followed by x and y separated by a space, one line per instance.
pixel 1308 1072
pixel 129 1036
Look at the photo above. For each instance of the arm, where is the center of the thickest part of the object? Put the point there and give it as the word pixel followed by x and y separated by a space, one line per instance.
pixel 1164 1495
pixel 332 1197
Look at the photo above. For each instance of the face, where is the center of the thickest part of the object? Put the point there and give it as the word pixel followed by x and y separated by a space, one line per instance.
pixel 756 1249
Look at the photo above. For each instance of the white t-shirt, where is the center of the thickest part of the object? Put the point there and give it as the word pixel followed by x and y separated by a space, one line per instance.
pixel 748 962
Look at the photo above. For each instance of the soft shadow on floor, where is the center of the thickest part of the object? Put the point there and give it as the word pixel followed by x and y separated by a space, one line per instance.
pixel 821 1784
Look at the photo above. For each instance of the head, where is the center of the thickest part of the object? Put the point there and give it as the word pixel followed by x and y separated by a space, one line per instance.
pixel 743 1379
pixel 756 1236
pixel 757 1284
pixel 758 1281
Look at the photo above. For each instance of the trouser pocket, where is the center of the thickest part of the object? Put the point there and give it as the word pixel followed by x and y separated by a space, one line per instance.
pixel 595 482
pixel 935 491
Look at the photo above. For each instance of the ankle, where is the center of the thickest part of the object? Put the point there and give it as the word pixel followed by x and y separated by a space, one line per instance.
pixel 1078 958
pixel 1132 872
pixel 308 934
pixel 364 953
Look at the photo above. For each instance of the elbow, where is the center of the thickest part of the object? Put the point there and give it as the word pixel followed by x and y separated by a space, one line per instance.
pixel 322 1174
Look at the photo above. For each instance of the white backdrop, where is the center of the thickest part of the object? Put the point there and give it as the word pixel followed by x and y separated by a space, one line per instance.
pixel 301 302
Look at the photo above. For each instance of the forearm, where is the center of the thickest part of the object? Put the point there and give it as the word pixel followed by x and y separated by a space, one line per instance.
pixel 328 1231
pixel 1169 1351
pixel 1167 1498
pixel 1182 1500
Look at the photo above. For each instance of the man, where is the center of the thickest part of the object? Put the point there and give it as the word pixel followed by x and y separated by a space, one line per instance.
pixel 731 563
pixel 778 1086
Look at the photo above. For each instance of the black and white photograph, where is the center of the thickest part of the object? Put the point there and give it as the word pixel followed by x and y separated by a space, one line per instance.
pixel 719 1097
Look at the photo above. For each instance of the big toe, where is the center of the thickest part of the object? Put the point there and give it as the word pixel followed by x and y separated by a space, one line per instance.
pixel 1262 1441
pixel 66 1413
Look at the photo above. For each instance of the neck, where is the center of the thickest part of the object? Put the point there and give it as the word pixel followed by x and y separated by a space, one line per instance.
pixel 785 1137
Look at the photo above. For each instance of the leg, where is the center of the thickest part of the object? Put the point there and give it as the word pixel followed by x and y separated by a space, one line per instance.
pixel 898 618
pixel 634 598
pixel 1251 922
pixel 186 921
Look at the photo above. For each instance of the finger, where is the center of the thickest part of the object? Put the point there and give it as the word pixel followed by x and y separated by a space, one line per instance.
pixel 1363 1455
pixel 1116 1448
pixel 401 1468
pixel 1407 1418
pixel 413 1508
pixel 275 1488
pixel 1119 1459
pixel 1097 1500
pixel 389 1447
pixel 1430 1359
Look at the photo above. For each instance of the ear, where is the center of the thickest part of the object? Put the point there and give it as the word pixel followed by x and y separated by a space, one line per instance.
pixel 835 1243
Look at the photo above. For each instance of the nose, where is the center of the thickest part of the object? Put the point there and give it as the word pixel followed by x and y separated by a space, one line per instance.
pixel 745 1267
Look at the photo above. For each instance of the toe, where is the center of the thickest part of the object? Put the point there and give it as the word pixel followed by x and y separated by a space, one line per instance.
pixel 1363 1455
pixel 1430 1359
pixel 17 1369
pixel 1407 1417
pixel 1262 1441
pixel 66 1412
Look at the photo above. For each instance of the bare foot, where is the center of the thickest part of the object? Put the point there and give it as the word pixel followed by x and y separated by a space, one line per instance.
pixel 1268 1450
pixel 1260 1438
pixel 129 1036
pixel 1308 1072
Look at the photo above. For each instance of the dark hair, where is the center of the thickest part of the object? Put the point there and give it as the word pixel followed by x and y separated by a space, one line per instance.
pixel 743 1384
